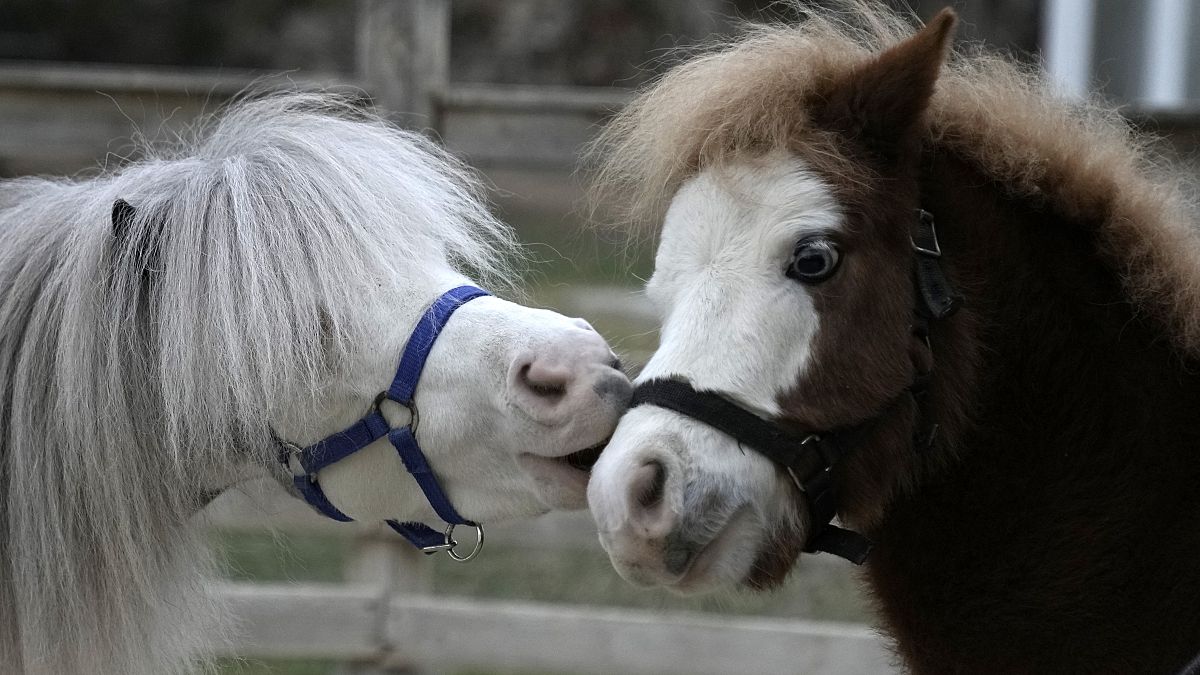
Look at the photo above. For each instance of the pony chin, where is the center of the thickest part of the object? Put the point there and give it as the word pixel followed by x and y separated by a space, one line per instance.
pixel 776 558
pixel 748 554
pixel 558 484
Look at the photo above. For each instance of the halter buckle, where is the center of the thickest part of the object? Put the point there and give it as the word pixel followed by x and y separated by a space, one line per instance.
pixel 292 453
pixel 450 544
pixel 823 450
pixel 927 234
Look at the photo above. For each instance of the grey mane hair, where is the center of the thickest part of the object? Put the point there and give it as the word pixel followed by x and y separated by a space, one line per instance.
pixel 135 367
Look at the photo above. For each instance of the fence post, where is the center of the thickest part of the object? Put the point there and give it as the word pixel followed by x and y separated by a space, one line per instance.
pixel 381 559
pixel 403 57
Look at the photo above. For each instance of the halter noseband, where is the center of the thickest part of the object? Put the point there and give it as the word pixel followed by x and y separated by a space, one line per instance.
pixel 304 463
pixel 810 458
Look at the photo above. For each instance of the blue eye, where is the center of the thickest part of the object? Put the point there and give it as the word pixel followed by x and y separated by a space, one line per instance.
pixel 814 260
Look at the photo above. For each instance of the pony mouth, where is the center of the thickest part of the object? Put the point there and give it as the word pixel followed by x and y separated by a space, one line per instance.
pixel 562 481
pixel 573 467
pixel 584 460
pixel 580 461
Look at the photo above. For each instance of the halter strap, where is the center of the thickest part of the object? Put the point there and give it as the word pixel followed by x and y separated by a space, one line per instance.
pixel 808 458
pixel 305 463
pixel 717 411
pixel 938 298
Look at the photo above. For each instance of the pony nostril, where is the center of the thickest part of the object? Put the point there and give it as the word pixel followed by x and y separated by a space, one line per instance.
pixel 649 483
pixel 545 383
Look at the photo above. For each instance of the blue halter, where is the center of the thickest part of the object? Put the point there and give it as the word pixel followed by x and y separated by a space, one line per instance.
pixel 304 463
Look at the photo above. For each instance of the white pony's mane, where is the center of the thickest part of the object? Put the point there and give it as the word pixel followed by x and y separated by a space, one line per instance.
pixel 135 365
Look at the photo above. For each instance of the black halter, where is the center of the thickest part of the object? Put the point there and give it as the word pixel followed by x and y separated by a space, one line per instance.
pixel 810 458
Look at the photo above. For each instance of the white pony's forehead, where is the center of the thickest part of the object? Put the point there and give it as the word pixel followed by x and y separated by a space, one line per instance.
pixel 732 320
pixel 724 215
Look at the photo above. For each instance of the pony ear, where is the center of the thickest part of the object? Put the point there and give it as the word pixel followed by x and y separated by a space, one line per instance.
pixel 882 101
pixel 140 246
pixel 122 217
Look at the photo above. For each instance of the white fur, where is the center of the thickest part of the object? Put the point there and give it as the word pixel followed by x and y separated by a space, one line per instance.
pixel 271 274
pixel 732 322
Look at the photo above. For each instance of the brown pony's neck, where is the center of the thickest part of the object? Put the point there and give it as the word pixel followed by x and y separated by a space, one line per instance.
pixel 1059 531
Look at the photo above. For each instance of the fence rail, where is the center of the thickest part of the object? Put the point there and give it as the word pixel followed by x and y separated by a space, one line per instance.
pixel 93 78
pixel 386 617
pixel 355 623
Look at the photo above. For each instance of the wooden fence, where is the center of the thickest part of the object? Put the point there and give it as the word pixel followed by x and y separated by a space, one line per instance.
pixel 63 117
pixel 386 619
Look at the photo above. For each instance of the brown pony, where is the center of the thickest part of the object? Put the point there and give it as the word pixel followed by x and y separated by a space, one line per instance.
pixel 1028 467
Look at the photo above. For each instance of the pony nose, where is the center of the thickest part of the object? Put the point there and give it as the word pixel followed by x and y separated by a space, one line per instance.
pixel 566 374
pixel 637 502
pixel 544 381
pixel 646 505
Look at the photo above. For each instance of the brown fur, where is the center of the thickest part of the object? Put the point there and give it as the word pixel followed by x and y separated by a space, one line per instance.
pixel 1081 159
pixel 1054 525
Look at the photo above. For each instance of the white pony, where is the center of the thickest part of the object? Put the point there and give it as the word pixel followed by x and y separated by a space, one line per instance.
pixel 265 280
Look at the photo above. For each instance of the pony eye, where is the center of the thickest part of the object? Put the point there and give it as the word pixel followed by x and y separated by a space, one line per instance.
pixel 814 260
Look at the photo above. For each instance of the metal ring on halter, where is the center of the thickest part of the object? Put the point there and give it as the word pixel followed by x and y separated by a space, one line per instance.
pixel 411 407
pixel 451 544
pixel 293 458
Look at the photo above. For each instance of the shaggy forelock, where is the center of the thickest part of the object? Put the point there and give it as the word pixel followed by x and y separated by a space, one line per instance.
pixel 746 96
pixel 134 367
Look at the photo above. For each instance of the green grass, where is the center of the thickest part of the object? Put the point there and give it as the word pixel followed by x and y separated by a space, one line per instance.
pixel 585 577
pixel 544 208
pixel 275 667
pixel 268 557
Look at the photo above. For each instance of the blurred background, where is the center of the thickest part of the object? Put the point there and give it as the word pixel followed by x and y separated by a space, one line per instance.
pixel 514 88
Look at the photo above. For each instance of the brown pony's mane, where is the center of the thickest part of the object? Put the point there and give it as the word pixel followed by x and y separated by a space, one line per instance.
pixel 746 96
